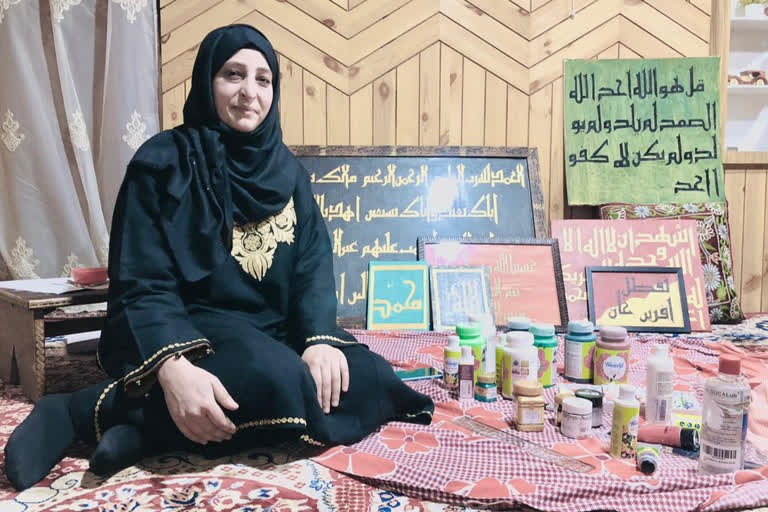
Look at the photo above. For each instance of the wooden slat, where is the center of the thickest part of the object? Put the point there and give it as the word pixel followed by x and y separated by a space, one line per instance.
pixel 591 19
pixel 407 103
pixel 473 105
pixel 165 3
pixel 315 107
pixel 291 101
pixel 451 84
pixel 486 28
pixel 609 53
pixel 758 159
pixel 187 88
pixel 734 193
pixel 557 162
pixel 495 110
pixel 407 99
pixel 660 26
pixel 754 230
pixel 685 14
pixel 517 118
pixel 179 13
pixel 429 96
pixel 764 270
pixel 384 109
pixel 628 53
pixel 338 117
pixel 173 103
pixel 354 3
pixel 539 136
pixel 644 42
pixel 593 43
pixel 720 44
pixel 348 23
pixel 483 53
pixel 704 5
pixel 361 117
pixel 522 4
pixel 535 4
pixel 344 4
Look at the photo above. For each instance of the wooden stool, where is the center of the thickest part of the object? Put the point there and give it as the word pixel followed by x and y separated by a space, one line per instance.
pixel 23 330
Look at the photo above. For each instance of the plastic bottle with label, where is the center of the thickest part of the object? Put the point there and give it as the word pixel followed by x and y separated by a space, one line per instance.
pixel 546 342
pixel 626 421
pixel 519 362
pixel 471 335
pixel 612 356
pixel 451 356
pixel 724 419
pixel 660 382
pixel 580 351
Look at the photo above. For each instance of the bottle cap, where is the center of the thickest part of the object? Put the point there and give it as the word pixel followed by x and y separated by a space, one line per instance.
pixel 689 439
pixel 517 339
pixel 593 395
pixel 613 333
pixel 527 388
pixel 648 466
pixel 627 392
pixel 543 330
pixel 469 330
pixel 575 405
pixel 730 365
pixel 453 341
pixel 661 350
pixel 518 323
pixel 580 327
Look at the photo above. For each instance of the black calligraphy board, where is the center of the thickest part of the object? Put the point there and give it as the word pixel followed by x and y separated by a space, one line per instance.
pixel 377 200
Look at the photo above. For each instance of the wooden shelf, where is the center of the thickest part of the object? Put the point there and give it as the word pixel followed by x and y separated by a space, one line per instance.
pixel 736 159
pixel 748 90
pixel 750 23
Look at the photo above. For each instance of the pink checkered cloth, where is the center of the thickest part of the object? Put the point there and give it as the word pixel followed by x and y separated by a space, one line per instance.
pixel 444 462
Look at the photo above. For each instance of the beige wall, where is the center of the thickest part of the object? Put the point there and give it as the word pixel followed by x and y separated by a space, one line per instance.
pixel 461 72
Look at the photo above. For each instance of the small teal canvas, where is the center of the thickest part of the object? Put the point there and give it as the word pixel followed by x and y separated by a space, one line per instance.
pixel 398 295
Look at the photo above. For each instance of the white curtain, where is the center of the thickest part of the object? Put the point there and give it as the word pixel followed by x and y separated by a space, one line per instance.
pixel 78 95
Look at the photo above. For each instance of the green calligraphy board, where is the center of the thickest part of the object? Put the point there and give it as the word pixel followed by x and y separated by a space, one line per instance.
pixel 398 295
pixel 643 131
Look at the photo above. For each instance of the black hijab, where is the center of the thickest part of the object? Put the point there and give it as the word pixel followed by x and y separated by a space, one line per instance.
pixel 225 176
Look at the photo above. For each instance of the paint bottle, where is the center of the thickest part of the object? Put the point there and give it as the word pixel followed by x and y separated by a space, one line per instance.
pixel 518 323
pixel 520 361
pixel 530 406
pixel 489 333
pixel 546 343
pixel 485 389
pixel 596 398
pixel 451 356
pixel 724 419
pixel 577 418
pixel 562 395
pixel 466 373
pixel 514 324
pixel 660 383
pixel 500 346
pixel 648 457
pixel 612 356
pixel 626 419
pixel 471 335
pixel 579 351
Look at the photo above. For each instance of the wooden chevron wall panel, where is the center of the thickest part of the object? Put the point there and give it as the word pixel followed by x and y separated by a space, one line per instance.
pixel 453 72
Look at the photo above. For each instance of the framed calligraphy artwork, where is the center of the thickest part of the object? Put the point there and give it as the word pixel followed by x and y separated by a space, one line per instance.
pixel 632 243
pixel 398 295
pixel 456 292
pixel 642 299
pixel 376 201
pixel 643 131
pixel 525 274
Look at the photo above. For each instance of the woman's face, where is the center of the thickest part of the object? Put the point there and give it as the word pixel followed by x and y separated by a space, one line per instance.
pixel 242 90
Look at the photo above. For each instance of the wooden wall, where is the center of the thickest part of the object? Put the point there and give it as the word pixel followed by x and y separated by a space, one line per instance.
pixel 458 72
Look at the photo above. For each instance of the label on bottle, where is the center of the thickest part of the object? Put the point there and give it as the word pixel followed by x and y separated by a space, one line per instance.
pixel 546 362
pixel 579 360
pixel 723 428
pixel 611 366
pixel 626 421
pixel 514 369
pixel 661 405
pixel 530 416
pixel 451 372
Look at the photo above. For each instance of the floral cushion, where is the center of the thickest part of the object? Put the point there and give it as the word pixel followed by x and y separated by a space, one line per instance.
pixel 714 241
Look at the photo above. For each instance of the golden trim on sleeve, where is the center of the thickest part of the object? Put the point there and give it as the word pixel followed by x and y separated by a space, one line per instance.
pixel 273 421
pixel 408 415
pixel 96 408
pixel 309 440
pixel 329 338
pixel 132 378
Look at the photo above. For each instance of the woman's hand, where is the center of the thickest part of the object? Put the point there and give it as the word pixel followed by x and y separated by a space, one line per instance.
pixel 328 367
pixel 193 396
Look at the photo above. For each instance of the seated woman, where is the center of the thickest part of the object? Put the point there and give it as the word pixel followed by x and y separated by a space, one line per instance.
pixel 221 325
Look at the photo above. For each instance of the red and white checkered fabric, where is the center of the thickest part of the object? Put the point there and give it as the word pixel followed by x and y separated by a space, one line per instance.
pixel 443 462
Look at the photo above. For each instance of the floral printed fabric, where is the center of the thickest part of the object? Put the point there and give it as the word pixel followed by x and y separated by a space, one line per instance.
pixel 714 243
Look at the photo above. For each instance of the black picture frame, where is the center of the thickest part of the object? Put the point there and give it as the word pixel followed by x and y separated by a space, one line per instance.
pixel 633 327
pixel 561 324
